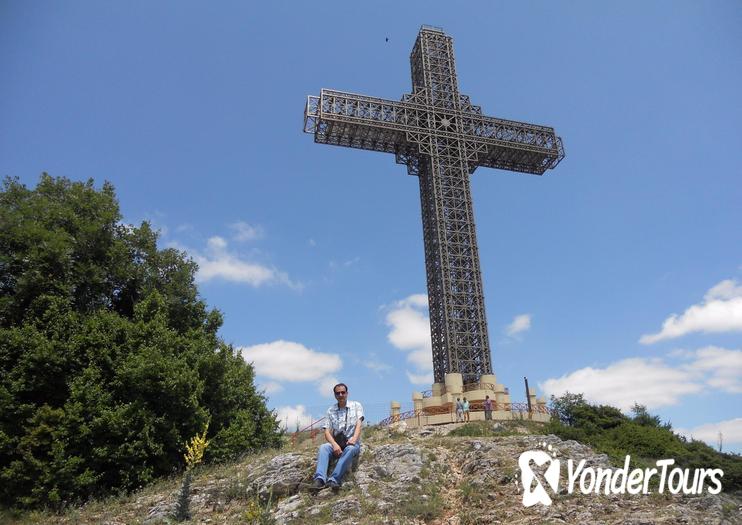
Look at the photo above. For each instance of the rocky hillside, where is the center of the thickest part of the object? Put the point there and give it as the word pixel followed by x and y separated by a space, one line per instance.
pixel 410 477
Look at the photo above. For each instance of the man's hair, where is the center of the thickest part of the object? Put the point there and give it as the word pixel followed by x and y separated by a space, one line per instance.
pixel 339 384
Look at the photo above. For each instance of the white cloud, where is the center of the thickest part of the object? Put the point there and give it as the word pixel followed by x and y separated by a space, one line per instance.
pixel 730 429
pixel 271 387
pixel 375 365
pixel 521 323
pixel 289 361
pixel 246 232
pixel 654 382
pixel 233 269
pixel 420 379
pixel 649 382
pixel 312 242
pixel 219 263
pixel 290 416
pixel 410 324
pixel 334 265
pixel 721 367
pixel 410 332
pixel 728 289
pixel 720 311
pixel 422 358
pixel 216 244
pixel 324 387
pixel 681 353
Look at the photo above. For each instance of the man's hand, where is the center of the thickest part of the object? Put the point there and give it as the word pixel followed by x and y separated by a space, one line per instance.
pixel 352 440
pixel 337 450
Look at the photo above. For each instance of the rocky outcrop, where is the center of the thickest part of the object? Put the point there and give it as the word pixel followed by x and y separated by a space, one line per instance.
pixel 280 477
pixel 423 476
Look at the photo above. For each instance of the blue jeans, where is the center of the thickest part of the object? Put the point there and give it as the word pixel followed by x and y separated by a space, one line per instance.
pixel 344 462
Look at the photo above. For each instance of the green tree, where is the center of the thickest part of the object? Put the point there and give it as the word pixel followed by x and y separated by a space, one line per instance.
pixel 109 360
pixel 642 436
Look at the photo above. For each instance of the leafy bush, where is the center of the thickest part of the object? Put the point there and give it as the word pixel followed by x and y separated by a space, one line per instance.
pixel 642 436
pixel 109 360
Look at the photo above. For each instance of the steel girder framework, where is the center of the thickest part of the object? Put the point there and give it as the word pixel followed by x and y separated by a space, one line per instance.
pixel 441 138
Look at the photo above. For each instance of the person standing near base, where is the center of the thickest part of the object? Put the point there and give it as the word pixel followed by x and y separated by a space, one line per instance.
pixel 343 435
pixel 487 408
pixel 459 410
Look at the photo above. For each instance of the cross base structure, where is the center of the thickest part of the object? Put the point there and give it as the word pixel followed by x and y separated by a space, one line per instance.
pixel 438 406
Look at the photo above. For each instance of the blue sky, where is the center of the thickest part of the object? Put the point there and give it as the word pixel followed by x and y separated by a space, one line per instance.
pixel 314 253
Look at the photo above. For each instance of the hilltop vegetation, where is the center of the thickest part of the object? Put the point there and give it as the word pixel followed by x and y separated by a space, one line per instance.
pixel 109 360
pixel 642 436
pixel 436 475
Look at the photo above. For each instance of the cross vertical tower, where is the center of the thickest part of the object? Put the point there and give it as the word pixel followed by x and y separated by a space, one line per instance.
pixel 442 138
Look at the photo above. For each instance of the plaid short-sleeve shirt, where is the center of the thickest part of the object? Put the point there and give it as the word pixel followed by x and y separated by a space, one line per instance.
pixel 344 419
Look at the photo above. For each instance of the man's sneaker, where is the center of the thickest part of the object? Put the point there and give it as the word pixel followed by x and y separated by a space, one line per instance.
pixel 333 485
pixel 317 485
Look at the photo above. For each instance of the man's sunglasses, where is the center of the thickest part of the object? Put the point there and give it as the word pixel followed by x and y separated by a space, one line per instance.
pixel 341 393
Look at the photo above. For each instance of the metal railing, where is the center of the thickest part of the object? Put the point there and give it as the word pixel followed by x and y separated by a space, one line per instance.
pixel 313 429
pixel 476 406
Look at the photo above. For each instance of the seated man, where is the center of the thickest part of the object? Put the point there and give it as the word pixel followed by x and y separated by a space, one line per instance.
pixel 343 435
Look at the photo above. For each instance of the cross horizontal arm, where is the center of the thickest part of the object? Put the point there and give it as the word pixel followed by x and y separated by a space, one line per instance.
pixel 359 121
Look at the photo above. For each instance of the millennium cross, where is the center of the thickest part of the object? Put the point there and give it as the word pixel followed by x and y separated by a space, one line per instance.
pixel 442 138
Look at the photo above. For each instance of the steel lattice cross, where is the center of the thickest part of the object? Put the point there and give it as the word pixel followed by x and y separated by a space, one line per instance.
pixel 442 138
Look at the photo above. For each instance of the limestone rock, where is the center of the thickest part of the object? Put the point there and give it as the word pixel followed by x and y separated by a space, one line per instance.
pixel 287 509
pixel 346 508
pixel 281 476
pixel 161 513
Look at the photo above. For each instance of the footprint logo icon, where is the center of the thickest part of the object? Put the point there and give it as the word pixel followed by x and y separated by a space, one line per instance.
pixel 537 493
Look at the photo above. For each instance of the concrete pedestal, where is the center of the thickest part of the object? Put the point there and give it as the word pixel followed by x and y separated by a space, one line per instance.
pixel 439 406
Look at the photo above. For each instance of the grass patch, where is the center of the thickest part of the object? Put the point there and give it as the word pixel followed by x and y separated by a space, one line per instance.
pixel 323 515
pixel 374 491
pixel 472 495
pixel 426 505
pixel 468 518
pixel 507 474
pixel 728 509
pixel 236 489
pixel 475 429
pixel 497 429
pixel 258 513
pixel 374 431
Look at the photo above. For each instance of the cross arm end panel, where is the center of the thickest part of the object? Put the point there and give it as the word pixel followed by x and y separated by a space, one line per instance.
pixel 357 121
pixel 521 159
